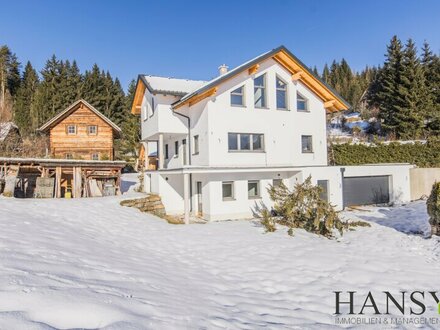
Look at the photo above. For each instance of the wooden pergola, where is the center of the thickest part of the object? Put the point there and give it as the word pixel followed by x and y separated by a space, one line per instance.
pixel 81 171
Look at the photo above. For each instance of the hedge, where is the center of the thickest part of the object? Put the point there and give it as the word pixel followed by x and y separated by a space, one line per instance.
pixel 422 155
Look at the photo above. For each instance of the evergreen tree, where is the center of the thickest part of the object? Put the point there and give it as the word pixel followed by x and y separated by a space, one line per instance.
pixel 412 98
pixel 431 70
pixel 131 126
pixel 25 98
pixel 326 74
pixel 389 80
pixel 9 81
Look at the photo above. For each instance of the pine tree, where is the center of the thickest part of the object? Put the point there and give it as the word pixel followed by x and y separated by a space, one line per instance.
pixel 9 81
pixel 131 125
pixel 326 74
pixel 388 94
pixel 431 70
pixel 25 98
pixel 412 94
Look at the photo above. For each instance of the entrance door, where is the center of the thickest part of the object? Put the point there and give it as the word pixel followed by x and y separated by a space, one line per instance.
pixel 199 199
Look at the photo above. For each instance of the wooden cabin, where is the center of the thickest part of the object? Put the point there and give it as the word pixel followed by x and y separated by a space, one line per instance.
pixel 81 132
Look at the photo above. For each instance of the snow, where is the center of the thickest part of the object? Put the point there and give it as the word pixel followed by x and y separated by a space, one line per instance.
pixel 90 263
pixel 158 83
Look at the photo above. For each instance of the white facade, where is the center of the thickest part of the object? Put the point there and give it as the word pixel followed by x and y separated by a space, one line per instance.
pixel 195 157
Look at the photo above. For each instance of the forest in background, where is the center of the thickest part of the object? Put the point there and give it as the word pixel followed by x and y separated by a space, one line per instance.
pixel 402 95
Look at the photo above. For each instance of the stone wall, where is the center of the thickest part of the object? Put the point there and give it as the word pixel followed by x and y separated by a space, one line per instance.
pixel 151 204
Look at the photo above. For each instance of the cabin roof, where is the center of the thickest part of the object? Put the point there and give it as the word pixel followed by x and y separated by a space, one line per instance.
pixel 5 128
pixel 70 109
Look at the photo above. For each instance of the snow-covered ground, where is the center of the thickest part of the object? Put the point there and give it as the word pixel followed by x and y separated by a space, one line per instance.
pixel 90 263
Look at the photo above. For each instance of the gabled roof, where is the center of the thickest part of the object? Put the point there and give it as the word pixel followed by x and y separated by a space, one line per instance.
pixel 5 128
pixel 171 86
pixel 69 110
pixel 299 71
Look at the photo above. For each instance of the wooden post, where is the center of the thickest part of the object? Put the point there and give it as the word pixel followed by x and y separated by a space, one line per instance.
pixel 58 173
pixel 77 182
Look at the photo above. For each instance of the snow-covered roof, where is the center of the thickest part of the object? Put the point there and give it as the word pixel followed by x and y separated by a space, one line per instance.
pixel 5 128
pixel 159 84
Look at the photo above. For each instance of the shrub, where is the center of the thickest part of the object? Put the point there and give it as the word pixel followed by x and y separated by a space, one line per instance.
pixel 433 207
pixel 303 208
pixel 267 220
pixel 423 155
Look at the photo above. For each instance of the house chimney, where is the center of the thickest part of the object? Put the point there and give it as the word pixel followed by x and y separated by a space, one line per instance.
pixel 222 69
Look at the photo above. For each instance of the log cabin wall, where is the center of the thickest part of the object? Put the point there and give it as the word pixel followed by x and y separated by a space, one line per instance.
pixel 82 144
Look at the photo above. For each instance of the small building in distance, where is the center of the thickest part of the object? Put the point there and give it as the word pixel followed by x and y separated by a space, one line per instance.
pixel 81 132
pixel 9 131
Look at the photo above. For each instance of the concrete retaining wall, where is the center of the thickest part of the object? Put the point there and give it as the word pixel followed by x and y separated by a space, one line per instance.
pixel 422 180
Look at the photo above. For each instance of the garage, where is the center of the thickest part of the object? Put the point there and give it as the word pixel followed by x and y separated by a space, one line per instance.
pixel 365 190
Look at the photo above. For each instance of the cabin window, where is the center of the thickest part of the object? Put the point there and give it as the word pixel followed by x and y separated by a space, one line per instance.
pixel 260 91
pixel 301 103
pixel 166 151
pixel 237 96
pixel 245 142
pixel 92 129
pixel 95 156
pixel 69 156
pixel 306 143
pixel 176 149
pixel 281 91
pixel 196 144
pixel 253 189
pixel 228 190
pixel 71 129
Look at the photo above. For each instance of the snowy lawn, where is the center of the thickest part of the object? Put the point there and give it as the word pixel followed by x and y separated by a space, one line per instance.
pixel 90 263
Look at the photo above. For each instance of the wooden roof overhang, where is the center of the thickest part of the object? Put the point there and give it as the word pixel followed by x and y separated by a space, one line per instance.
pixel 299 71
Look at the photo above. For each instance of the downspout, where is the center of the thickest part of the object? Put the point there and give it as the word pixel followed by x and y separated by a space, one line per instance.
pixel 188 142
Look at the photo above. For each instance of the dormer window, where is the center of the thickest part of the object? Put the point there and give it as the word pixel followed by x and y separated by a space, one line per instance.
pixel 301 103
pixel 281 90
pixel 260 91
pixel 237 96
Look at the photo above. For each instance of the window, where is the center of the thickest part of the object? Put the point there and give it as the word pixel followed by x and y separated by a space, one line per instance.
pixel 152 106
pixel 166 151
pixel 281 89
pixel 176 149
pixel 237 96
pixel 92 130
pixel 69 156
pixel 301 103
pixel 277 182
pixel 196 144
pixel 306 143
pixel 260 91
pixel 324 189
pixel 232 141
pixel 253 189
pixel 245 142
pixel 71 129
pixel 228 190
pixel 95 156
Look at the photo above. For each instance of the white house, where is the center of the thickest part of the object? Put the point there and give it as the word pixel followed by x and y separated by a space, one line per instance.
pixel 221 143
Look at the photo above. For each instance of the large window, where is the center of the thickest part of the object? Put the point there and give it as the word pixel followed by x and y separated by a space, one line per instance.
pixel 301 103
pixel 237 96
pixel 253 189
pixel 196 144
pixel 245 142
pixel 71 129
pixel 281 88
pixel 228 190
pixel 260 91
pixel 306 143
pixel 324 189
pixel 166 151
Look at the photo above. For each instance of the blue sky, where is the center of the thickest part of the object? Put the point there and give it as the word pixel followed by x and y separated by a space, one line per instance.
pixel 190 39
